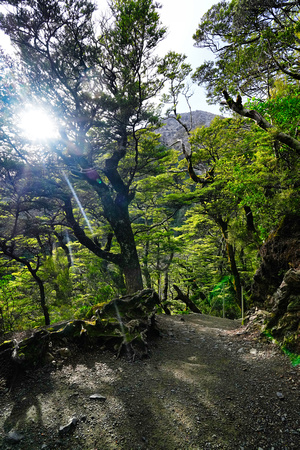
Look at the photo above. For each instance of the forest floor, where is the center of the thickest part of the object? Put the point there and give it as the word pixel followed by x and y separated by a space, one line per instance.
pixel 207 384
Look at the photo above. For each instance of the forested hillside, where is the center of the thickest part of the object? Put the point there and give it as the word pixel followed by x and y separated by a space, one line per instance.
pixel 121 191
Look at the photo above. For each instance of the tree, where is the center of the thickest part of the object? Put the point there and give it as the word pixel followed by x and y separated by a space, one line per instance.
pixel 256 46
pixel 176 71
pixel 99 89
pixel 253 41
pixel 154 215
pixel 278 135
pixel 24 236
pixel 233 165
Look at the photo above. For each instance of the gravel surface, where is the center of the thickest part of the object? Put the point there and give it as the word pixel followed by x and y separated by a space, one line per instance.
pixel 207 384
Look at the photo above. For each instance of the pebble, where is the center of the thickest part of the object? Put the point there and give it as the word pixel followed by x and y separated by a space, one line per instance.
pixel 64 352
pixel 97 397
pixel 66 428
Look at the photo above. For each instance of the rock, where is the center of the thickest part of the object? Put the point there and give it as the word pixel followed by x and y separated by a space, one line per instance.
pixel 123 325
pixel 280 395
pixel 276 283
pixel 14 436
pixel 172 130
pixel 49 358
pixel 284 324
pixel 70 426
pixel 97 397
pixel 6 362
pixel 279 253
pixel 64 352
pixel 31 351
pixel 255 318
pixel 294 303
pixel 253 351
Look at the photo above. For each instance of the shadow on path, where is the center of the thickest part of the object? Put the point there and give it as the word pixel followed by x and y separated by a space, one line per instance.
pixel 204 386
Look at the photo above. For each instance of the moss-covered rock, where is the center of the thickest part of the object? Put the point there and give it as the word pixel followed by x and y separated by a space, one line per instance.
pixel 278 254
pixel 31 351
pixel 129 307
pixel 294 303
pixel 6 362
pixel 284 324
pixel 276 284
pixel 122 325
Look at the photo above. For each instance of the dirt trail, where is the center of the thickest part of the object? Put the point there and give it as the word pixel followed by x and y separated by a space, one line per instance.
pixel 206 385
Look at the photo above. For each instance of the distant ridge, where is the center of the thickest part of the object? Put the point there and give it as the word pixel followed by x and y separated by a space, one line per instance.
pixel 172 130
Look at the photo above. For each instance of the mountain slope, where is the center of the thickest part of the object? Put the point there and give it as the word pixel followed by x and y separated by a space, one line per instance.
pixel 172 130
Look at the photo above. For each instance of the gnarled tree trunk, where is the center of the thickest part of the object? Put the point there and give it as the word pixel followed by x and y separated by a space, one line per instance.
pixel 231 258
pixel 185 299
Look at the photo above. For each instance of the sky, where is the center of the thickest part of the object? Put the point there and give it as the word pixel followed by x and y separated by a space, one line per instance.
pixel 181 17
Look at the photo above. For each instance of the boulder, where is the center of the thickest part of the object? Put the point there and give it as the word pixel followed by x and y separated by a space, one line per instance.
pixel 284 323
pixel 276 284
pixel 278 254
pixel 123 325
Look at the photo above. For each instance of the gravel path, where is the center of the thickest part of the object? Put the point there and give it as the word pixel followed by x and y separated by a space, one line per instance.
pixel 206 385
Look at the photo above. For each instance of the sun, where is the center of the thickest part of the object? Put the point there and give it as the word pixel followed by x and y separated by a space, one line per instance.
pixel 37 125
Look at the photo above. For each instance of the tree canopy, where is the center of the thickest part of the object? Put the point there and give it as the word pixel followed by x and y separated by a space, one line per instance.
pixel 252 41
pixel 98 86
pixel 104 206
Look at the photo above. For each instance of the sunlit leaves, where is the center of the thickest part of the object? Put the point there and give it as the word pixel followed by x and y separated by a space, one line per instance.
pixel 282 111
pixel 253 41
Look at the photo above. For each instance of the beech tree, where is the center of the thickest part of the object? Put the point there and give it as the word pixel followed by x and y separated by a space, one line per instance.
pixel 255 44
pixel 97 81
pixel 252 41
pixel 24 238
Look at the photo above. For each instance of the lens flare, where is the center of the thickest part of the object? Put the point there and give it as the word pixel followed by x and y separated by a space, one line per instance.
pixel 78 203
pixel 37 125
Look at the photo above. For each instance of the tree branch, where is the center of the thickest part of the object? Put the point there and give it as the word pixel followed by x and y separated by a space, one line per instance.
pixel 238 107
pixel 185 299
pixel 85 240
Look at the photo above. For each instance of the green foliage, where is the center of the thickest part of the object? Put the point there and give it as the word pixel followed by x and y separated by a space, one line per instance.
pixel 176 72
pixel 295 358
pixel 18 302
pixel 221 299
pixel 283 111
pixel 252 42
pixel 100 89
pixel 6 305
pixel 246 170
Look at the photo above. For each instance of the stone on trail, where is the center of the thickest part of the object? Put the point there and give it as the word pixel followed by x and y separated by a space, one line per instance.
pixel 67 428
pixel 14 436
pixel 97 397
